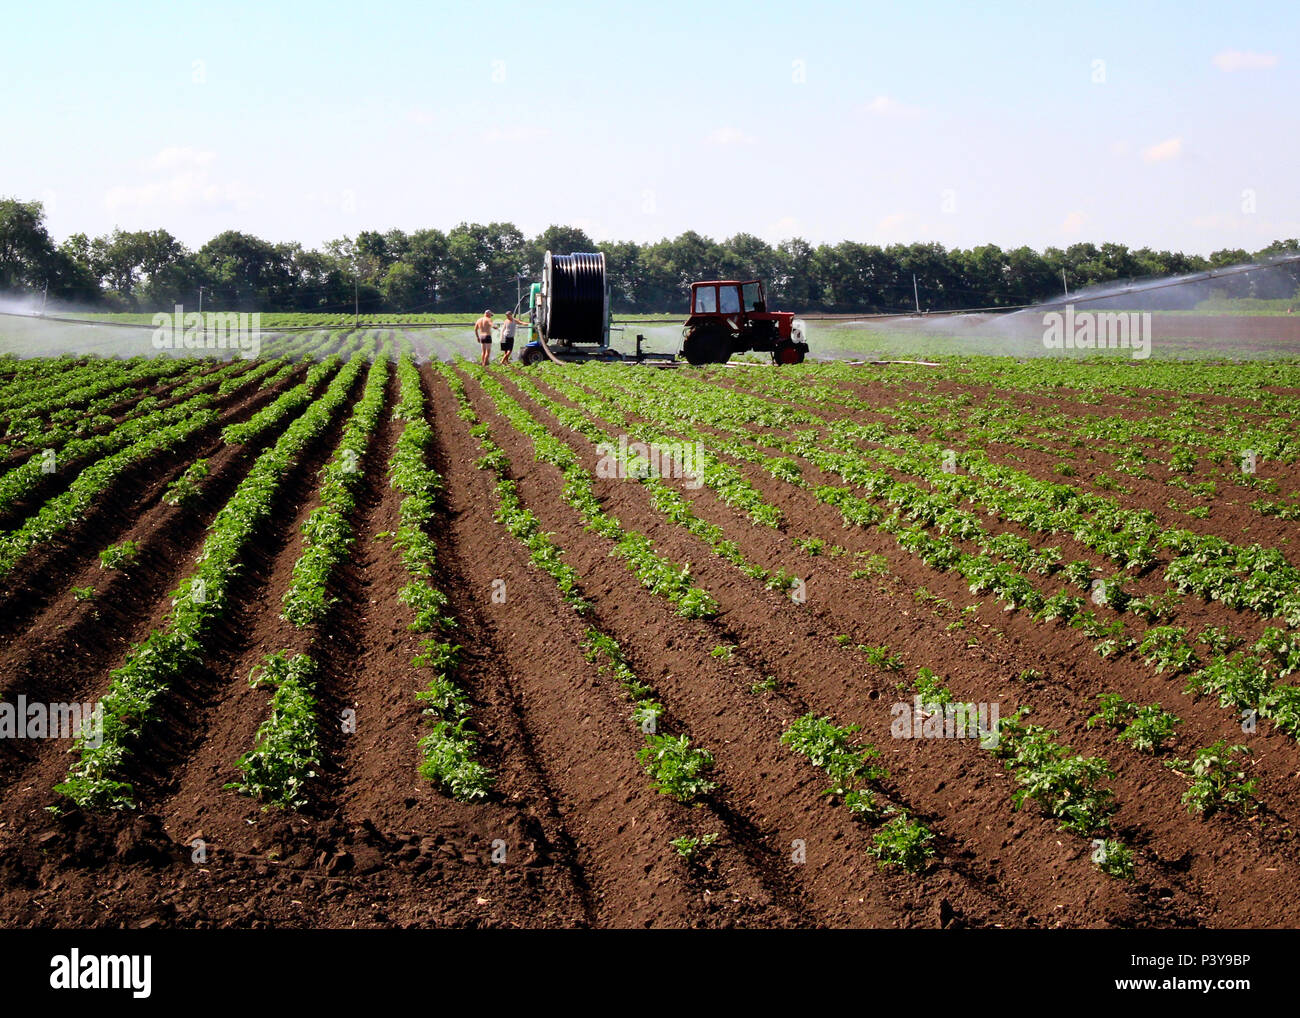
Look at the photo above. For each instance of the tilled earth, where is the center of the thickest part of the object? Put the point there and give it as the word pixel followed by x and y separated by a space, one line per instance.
pixel 574 833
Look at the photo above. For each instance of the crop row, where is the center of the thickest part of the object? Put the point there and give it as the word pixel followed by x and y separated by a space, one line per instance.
pixel 142 438
pixel 1254 577
pixel 327 532
pixel 287 404
pixel 1245 681
pixel 85 384
pixel 649 469
pixel 450 746
pixel 677 768
pixel 657 573
pixel 96 779
pixel 287 751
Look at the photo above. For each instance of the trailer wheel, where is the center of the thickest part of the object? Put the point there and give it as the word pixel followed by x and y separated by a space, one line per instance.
pixel 532 354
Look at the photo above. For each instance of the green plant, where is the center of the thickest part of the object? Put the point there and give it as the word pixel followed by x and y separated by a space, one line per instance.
pixel 929 687
pixel 1146 729
pixel 903 842
pixel 97 780
pixel 1218 782
pixel 1150 729
pixel 1166 647
pixel 327 532
pixel 687 846
pixel 83 593
pixel 676 767
pixel 832 749
pixel 882 657
pixel 875 565
pixel 1219 639
pixel 1113 857
pixel 812 545
pixel 1183 461
pixel 723 651
pixel 1066 785
pixel 117 556
pixel 278 769
pixel 186 488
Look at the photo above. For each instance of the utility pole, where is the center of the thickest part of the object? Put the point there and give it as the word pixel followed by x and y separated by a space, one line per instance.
pixel 200 300
pixel 356 300
pixel 45 298
pixel 1063 282
pixel 916 295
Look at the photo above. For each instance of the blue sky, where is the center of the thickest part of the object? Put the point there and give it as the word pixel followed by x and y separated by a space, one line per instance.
pixel 1163 124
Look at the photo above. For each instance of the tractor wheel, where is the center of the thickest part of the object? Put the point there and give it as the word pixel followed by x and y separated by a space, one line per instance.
pixel 707 344
pixel 789 353
pixel 532 355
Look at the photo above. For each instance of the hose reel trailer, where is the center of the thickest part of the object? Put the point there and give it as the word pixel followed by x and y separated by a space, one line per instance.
pixel 569 310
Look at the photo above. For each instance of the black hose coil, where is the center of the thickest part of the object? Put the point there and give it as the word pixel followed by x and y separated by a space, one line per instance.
pixel 575 286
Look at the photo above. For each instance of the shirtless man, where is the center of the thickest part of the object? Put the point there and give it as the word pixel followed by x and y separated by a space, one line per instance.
pixel 483 330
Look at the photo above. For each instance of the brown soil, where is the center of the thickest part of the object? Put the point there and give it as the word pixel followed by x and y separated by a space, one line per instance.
pixel 573 833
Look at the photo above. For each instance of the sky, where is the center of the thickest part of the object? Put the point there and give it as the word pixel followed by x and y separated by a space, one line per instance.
pixel 1169 125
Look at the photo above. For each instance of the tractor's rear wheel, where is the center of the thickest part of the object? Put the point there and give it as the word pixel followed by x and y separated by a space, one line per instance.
pixel 789 353
pixel 707 344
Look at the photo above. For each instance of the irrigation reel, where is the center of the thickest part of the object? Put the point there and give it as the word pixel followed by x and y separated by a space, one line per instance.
pixel 568 314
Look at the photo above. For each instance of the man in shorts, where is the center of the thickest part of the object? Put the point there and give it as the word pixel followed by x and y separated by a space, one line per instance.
pixel 508 336
pixel 483 330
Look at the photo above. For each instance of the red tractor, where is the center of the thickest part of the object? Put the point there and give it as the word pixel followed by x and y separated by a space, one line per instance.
pixel 731 316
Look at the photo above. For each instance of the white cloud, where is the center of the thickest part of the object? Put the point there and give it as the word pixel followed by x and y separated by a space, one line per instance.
pixel 729 136
pixel 182 179
pixel 1073 222
pixel 593 228
pixel 1244 60
pixel 784 228
pixel 887 106
pixel 177 158
pixel 518 135
pixel 1170 148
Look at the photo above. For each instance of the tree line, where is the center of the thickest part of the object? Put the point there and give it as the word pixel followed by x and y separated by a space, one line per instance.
pixel 475 266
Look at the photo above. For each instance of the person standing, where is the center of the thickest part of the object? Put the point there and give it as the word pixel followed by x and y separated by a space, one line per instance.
pixel 508 336
pixel 483 330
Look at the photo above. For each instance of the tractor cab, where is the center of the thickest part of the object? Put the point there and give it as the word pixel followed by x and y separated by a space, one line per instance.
pixel 730 316
pixel 727 298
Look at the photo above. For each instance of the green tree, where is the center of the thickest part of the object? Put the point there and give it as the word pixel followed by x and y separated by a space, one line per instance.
pixel 26 251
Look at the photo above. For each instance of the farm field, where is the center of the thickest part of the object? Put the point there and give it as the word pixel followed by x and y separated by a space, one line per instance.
pixel 1175 335
pixel 382 638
